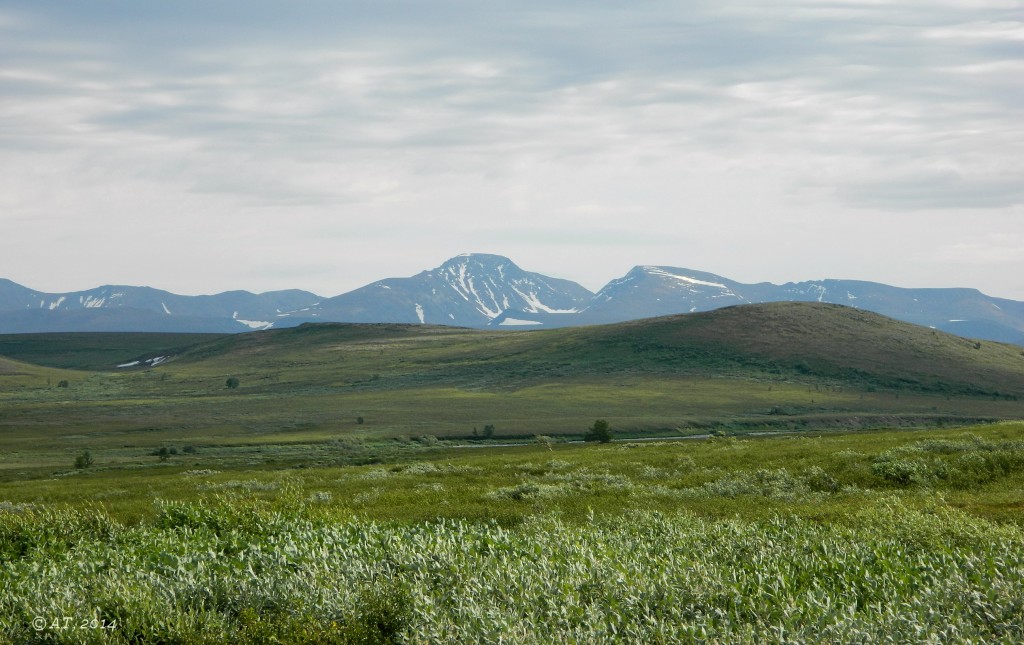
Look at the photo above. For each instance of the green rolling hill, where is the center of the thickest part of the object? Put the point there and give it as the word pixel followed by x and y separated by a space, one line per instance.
pixel 769 367
pixel 803 341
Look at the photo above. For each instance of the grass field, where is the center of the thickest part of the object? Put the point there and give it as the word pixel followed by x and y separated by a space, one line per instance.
pixel 351 489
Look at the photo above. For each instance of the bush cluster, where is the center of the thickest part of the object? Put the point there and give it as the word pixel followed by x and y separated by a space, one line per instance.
pixel 957 464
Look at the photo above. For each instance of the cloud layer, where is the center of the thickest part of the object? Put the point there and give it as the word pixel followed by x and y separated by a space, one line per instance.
pixel 322 145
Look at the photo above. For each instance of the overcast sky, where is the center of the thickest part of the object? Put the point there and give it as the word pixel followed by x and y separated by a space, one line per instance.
pixel 201 146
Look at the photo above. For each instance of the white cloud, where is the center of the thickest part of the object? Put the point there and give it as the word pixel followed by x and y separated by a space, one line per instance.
pixel 935 190
pixel 979 32
pixel 379 142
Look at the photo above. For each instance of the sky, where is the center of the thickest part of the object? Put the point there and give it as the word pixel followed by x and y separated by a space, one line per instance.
pixel 201 146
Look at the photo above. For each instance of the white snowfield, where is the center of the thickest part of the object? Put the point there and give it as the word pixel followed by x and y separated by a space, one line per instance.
pixel 535 305
pixel 258 325
pixel 515 321
pixel 683 278
pixel 419 313
pixel 255 324
pixel 151 361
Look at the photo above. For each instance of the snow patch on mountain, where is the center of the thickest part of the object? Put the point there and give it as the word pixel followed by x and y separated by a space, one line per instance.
pixel 682 278
pixel 419 313
pixel 534 305
pixel 818 289
pixel 508 322
pixel 152 362
pixel 255 324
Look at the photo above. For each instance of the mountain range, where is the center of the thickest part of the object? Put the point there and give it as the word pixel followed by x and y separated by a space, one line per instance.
pixel 481 291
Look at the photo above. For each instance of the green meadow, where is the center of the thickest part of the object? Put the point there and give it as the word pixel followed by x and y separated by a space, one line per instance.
pixel 829 478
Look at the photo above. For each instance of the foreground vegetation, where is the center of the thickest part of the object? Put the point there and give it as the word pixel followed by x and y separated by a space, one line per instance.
pixel 230 573
pixel 889 536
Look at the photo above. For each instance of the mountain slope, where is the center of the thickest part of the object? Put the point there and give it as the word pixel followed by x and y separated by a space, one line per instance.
pixel 13 295
pixel 121 319
pixel 939 308
pixel 469 290
pixel 657 291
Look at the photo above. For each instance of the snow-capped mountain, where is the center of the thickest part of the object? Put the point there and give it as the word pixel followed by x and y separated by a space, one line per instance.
pixel 470 290
pixel 479 290
pixel 657 291
pixel 125 308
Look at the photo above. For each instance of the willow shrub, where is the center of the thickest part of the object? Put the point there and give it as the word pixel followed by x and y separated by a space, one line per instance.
pixel 253 572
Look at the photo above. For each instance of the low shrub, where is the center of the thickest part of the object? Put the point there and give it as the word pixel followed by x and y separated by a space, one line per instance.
pixel 249 573
pixel 903 472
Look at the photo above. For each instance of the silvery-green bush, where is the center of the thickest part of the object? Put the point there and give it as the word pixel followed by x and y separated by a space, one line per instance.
pixel 252 572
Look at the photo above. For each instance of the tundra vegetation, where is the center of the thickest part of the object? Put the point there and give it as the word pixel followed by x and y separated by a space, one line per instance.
pixel 895 536
pixel 744 498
